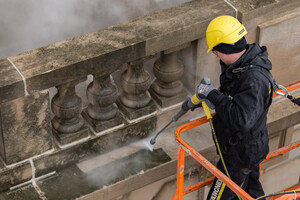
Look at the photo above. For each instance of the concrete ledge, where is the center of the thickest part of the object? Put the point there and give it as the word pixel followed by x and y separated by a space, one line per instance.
pixel 283 46
pixel 248 10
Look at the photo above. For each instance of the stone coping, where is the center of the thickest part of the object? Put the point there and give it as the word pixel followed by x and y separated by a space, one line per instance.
pixel 103 52
pixel 106 50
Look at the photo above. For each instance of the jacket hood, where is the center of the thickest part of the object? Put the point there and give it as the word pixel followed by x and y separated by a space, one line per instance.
pixel 254 55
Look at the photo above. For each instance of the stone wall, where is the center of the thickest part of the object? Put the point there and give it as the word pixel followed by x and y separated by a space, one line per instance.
pixel 124 98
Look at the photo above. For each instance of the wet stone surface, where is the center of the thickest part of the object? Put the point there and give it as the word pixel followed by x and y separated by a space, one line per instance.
pixel 71 182
pixel 27 192
pixel 14 176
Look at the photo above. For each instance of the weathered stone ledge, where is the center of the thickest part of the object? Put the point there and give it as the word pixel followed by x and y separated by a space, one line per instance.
pixel 103 52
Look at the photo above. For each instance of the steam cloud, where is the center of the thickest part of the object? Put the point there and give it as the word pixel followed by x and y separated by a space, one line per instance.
pixel 30 24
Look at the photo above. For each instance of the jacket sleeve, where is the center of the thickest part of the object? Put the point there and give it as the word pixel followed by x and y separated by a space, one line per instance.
pixel 242 111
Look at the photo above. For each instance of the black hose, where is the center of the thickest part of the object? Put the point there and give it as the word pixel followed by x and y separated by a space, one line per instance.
pixel 279 193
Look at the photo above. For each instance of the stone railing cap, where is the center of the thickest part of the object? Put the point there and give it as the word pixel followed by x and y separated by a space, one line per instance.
pixel 104 51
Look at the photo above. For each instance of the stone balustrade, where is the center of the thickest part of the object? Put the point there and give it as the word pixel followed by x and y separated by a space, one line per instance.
pixel 120 108
pixel 65 64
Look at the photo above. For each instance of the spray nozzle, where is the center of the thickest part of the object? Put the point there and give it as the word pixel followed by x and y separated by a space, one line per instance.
pixel 152 141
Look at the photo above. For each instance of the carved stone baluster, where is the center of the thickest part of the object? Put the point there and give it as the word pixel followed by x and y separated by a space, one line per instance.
pixel 68 124
pixel 167 89
pixel 135 101
pixel 102 112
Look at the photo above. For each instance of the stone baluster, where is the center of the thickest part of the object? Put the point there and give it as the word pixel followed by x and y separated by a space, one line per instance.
pixel 135 101
pixel 102 112
pixel 68 124
pixel 167 89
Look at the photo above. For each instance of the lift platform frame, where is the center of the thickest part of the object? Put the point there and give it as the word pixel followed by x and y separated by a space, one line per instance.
pixel 185 147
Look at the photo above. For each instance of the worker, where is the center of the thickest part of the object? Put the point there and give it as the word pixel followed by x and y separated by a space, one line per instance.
pixel 241 105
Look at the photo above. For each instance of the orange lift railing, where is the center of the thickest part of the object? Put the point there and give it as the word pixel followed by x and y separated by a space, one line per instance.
pixel 185 147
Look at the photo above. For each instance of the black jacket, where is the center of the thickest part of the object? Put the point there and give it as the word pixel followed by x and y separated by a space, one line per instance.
pixel 241 107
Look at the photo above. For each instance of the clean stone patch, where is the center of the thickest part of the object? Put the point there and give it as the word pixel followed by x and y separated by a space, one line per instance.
pixel 71 182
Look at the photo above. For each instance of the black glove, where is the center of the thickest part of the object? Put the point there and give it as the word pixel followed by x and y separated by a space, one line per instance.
pixel 188 105
pixel 204 89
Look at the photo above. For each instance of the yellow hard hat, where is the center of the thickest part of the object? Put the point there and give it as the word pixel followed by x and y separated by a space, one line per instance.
pixel 224 29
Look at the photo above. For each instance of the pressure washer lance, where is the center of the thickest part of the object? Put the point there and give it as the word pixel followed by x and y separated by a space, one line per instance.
pixel 194 100
pixel 174 119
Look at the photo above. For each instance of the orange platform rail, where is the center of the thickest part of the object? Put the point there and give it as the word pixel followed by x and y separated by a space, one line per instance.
pixel 185 147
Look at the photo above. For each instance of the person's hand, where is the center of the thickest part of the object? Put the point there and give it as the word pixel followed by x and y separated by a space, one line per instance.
pixel 204 89
pixel 188 105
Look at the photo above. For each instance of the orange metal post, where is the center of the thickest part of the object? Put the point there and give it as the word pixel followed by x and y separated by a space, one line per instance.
pixel 180 174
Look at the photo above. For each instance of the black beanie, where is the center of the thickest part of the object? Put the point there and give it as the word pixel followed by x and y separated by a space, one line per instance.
pixel 232 48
